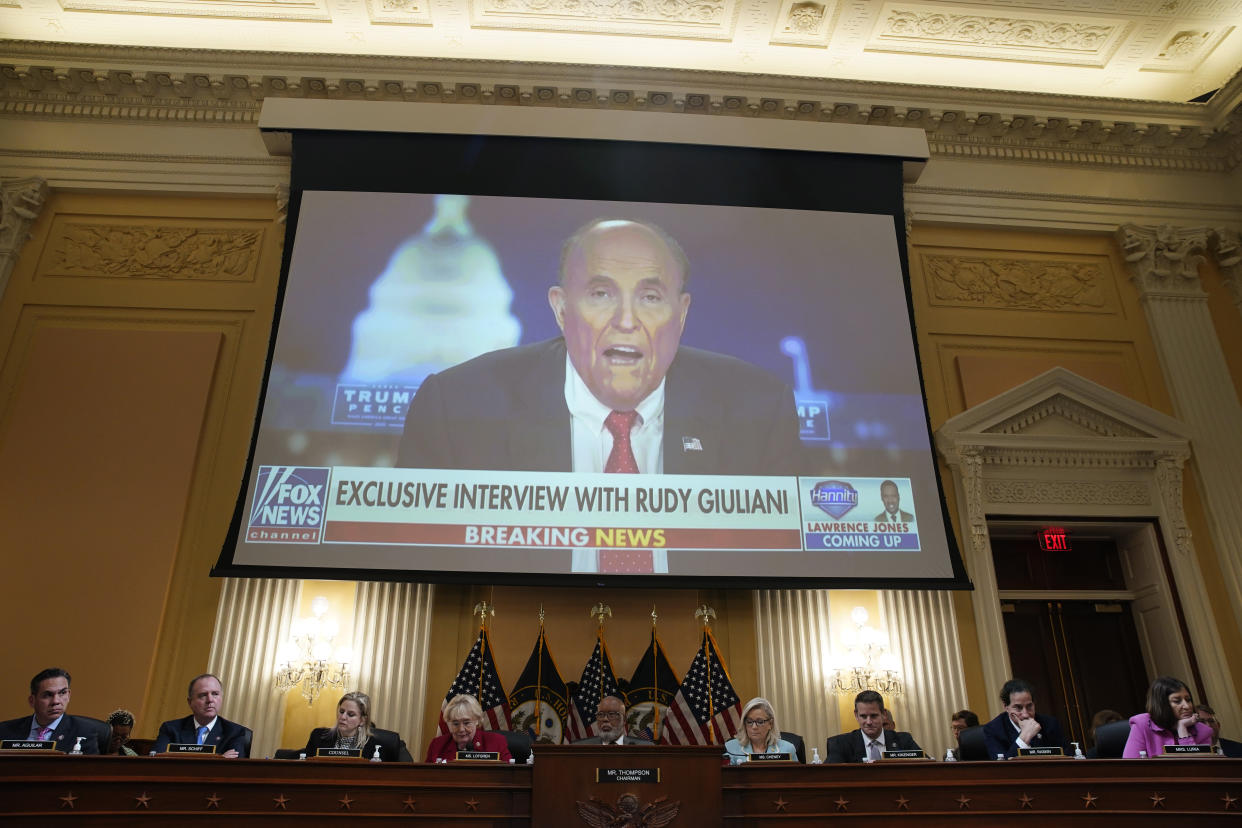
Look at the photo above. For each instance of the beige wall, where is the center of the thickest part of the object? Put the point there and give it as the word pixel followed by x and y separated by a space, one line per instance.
pixel 132 339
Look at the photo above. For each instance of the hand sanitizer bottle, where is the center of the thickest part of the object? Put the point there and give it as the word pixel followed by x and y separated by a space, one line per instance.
pixel 948 756
pixel 1078 754
pixel 815 760
pixel 375 757
pixel 77 747
pixel 530 758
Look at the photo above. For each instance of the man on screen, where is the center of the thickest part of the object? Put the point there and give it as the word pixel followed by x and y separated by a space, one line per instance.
pixel 892 505
pixel 617 392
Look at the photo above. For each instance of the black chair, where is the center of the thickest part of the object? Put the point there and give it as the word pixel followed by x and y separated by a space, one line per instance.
pixel 971 746
pixel 519 744
pixel 249 737
pixel 795 740
pixel 287 753
pixel 1110 739
pixel 102 731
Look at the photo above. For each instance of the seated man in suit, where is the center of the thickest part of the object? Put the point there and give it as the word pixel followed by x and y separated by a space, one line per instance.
pixel 870 741
pixel 204 726
pixel 610 715
pixel 961 720
pixel 49 697
pixel 1229 747
pixel 1019 726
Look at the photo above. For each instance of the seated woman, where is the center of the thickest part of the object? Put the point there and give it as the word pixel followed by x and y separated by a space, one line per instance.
pixel 759 734
pixel 464 717
pixel 355 731
pixel 1170 720
pixel 122 723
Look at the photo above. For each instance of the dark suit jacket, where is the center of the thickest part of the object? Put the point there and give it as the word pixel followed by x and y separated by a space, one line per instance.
pixel 902 517
pixel 1000 736
pixel 1232 749
pixel 599 740
pixel 506 410
pixel 850 747
pixel 389 743
pixel 65 734
pixel 225 736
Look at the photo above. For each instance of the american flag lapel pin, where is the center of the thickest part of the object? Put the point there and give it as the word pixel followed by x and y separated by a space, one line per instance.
pixel 691 444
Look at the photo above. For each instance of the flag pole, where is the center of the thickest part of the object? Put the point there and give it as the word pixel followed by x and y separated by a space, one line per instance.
pixel 655 676
pixel 707 614
pixel 483 609
pixel 539 677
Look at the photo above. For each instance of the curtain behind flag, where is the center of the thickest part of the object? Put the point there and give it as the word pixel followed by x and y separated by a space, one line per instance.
pixel 705 710
pixel 477 677
pixel 540 699
pixel 597 681
pixel 650 693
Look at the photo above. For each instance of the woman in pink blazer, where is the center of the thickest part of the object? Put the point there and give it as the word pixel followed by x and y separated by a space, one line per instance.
pixel 1170 720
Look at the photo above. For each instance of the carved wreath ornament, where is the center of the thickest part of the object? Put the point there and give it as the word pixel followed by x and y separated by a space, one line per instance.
pixel 628 812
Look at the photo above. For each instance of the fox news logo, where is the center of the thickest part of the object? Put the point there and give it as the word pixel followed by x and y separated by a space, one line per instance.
pixel 289 504
pixel 836 497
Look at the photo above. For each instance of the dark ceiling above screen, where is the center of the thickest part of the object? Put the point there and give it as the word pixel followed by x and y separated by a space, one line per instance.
pixel 795 447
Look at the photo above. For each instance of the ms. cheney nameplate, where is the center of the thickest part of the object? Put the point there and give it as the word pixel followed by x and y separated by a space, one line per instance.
pixel 769 757
pixel 630 776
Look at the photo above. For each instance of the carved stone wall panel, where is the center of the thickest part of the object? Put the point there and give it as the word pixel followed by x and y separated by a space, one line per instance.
pixel 115 249
pixel 244 9
pixel 1018 34
pixel 804 22
pixel 1005 282
pixel 1052 492
pixel 706 19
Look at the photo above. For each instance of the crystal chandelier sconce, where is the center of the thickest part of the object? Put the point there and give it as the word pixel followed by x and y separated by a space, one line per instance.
pixel 308 659
pixel 867 664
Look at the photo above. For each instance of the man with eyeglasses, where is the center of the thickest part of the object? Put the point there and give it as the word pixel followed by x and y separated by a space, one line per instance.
pixel 1229 747
pixel 610 716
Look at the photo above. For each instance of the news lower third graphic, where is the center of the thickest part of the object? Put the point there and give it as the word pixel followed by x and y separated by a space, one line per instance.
pixel 893 527
pixel 289 504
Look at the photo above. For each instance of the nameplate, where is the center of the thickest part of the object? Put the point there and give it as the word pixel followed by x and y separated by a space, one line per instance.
pixel 629 776
pixel 904 754
pixel 478 756
pixel 1036 752
pixel 27 744
pixel 340 753
pixel 769 757
pixel 1188 750
pixel 189 749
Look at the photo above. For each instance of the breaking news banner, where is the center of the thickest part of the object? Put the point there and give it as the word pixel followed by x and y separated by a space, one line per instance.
pixel 538 510
pixel 858 514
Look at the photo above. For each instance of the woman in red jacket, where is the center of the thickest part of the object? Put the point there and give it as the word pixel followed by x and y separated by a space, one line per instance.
pixel 464 718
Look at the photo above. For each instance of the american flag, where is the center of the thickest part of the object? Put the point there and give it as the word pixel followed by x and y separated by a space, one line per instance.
pixel 705 710
pixel 597 681
pixel 477 677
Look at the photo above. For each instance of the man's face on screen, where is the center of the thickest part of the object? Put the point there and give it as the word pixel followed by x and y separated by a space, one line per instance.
pixel 622 310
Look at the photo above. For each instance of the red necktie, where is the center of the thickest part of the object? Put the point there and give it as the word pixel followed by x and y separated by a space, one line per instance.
pixel 621 461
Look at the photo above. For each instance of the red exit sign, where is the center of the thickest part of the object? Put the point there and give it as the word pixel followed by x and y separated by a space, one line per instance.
pixel 1054 539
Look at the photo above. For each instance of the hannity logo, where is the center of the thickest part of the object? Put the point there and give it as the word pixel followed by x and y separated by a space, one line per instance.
pixel 289 504
pixel 836 497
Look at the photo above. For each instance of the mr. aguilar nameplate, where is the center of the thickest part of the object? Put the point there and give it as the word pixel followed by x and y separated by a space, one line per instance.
pixel 631 776
pixel 769 757
pixel 27 744
pixel 1038 752
pixel 904 754
pixel 478 756
pixel 1187 750
pixel 190 749
pixel 339 753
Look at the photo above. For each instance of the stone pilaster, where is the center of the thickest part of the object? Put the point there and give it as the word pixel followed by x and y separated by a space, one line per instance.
pixel 20 203
pixel 1164 267
pixel 1227 250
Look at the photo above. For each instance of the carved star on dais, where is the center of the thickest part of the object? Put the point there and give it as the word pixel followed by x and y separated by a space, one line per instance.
pixel 410 802
pixel 1026 800
pixel 780 803
pixel 903 804
pixel 1088 801
pixel 346 802
pixel 1230 801
pixel 282 802
pixel 1157 799
pixel 472 804
pixel 68 799
pixel 841 802
pixel 963 801
pixel 142 800
pixel 213 801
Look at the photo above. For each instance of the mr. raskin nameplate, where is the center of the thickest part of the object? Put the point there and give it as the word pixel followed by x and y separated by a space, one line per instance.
pixel 630 776
pixel 27 744
pixel 1041 751
pixel 1187 750
pixel 478 756
pixel 339 753
pixel 904 754
pixel 189 749
pixel 769 757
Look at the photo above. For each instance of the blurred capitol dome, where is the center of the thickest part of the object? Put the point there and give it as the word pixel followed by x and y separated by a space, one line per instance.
pixel 442 300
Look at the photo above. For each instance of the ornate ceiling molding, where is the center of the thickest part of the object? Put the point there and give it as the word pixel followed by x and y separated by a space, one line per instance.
pixel 227 89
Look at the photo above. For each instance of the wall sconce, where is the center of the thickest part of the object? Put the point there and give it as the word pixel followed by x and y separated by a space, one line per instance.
pixel 867 663
pixel 307 657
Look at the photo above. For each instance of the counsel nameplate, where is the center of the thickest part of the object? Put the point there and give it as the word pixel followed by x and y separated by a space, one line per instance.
pixel 339 753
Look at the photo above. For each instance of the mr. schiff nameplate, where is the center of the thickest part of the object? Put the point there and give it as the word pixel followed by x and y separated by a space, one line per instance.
pixel 184 749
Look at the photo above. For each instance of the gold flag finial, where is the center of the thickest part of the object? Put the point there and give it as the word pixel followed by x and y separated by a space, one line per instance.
pixel 599 611
pixel 483 610
pixel 706 613
pixel 541 615
pixel 654 617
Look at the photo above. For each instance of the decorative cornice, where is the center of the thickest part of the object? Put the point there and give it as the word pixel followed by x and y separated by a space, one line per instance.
pixel 227 89
pixel 20 203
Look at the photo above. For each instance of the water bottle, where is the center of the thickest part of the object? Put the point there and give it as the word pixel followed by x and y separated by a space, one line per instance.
pixel 152 753
pixel 1000 757
pixel 512 760
pixel 301 757
pixel 948 756
pixel 1078 754
pixel 1142 754
pixel 815 760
